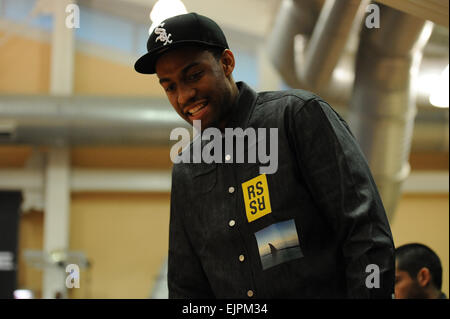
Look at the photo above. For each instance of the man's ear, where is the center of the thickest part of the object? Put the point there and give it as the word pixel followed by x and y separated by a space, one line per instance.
pixel 227 61
pixel 423 277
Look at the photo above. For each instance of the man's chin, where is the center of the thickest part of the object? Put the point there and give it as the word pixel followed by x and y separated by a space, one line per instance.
pixel 204 123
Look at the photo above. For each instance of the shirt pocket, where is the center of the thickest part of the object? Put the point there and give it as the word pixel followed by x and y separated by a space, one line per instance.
pixel 205 178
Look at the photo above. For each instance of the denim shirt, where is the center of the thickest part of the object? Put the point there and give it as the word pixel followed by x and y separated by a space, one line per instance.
pixel 321 230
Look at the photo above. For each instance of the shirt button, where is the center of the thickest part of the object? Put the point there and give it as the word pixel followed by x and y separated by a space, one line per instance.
pixel 231 190
pixel 232 223
pixel 250 293
pixel 241 258
pixel 227 157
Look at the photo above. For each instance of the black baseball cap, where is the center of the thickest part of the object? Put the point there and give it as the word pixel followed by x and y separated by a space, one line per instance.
pixel 184 29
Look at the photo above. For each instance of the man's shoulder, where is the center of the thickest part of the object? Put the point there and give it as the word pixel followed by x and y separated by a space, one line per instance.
pixel 292 95
pixel 276 103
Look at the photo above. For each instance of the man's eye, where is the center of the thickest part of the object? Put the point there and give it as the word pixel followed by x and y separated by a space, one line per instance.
pixel 170 88
pixel 195 76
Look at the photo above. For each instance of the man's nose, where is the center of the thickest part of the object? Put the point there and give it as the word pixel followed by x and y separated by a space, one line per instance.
pixel 185 95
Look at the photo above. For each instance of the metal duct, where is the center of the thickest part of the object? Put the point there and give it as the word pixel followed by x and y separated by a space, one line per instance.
pixel 293 18
pixel 47 120
pixel 312 48
pixel 383 106
pixel 54 120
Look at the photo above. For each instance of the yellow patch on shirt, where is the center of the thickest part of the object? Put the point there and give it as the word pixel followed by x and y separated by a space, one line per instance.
pixel 256 197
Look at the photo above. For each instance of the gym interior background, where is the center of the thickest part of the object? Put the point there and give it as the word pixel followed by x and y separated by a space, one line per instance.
pixel 84 139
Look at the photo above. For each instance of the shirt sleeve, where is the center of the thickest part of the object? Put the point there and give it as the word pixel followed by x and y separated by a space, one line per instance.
pixel 186 278
pixel 339 179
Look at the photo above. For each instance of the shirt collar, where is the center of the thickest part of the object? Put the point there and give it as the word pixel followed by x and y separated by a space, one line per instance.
pixel 243 107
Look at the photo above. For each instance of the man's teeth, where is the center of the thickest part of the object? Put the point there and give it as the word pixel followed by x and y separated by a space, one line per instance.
pixel 196 109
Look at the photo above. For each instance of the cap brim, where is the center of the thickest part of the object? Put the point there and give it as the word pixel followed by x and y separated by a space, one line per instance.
pixel 146 64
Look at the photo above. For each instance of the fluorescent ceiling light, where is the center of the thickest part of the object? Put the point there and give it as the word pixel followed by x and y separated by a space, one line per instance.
pixel 164 9
pixel 439 93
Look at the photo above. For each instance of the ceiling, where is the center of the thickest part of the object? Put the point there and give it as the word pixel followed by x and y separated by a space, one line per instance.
pixel 253 17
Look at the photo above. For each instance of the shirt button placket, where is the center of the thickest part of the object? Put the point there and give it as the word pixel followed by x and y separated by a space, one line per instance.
pixel 232 222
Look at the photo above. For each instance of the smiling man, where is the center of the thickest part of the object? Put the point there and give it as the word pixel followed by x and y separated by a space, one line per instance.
pixel 314 228
pixel 214 89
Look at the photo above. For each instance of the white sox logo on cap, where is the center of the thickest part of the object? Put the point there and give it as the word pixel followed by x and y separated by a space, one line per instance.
pixel 190 28
pixel 162 34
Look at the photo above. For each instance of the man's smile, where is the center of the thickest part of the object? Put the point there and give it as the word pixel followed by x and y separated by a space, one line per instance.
pixel 196 111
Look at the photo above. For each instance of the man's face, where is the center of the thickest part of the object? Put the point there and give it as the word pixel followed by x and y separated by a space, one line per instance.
pixel 197 85
pixel 407 287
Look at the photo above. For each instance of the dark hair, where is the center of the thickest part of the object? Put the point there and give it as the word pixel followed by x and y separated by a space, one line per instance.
pixel 216 52
pixel 413 257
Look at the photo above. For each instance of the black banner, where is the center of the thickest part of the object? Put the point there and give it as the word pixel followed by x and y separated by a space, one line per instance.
pixel 9 228
pixel 233 309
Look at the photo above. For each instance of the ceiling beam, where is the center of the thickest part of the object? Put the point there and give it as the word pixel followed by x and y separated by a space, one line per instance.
pixel 250 16
pixel 433 10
